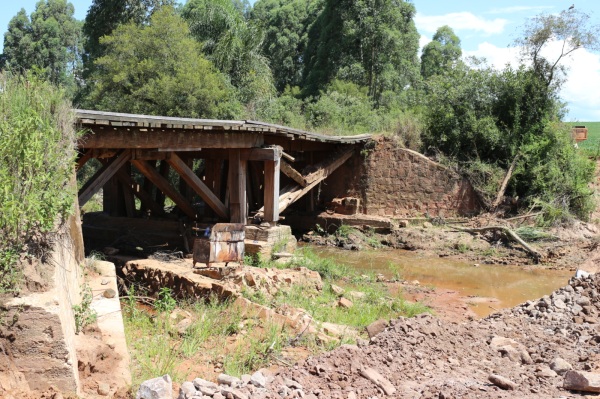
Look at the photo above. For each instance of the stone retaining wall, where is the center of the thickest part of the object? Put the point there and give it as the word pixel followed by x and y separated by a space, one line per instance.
pixel 397 182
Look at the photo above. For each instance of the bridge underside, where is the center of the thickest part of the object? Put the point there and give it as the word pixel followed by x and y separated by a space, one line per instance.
pixel 202 171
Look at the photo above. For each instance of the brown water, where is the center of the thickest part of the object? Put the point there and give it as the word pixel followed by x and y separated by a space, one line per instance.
pixel 504 286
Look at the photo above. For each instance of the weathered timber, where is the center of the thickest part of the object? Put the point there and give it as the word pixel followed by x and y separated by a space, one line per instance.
pixel 163 185
pixel 83 158
pixel 168 138
pixel 237 187
pixel 141 193
pixel 292 192
pixel 271 191
pixel 197 185
pixel 102 176
pixel 326 168
pixel 292 173
pixel 508 232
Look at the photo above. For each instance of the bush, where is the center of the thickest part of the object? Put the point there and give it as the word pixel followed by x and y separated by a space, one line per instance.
pixel 36 164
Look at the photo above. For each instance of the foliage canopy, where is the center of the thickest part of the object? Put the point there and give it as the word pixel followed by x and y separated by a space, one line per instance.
pixel 159 69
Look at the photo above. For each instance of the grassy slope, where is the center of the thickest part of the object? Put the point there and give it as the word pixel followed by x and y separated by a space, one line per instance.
pixel 593 141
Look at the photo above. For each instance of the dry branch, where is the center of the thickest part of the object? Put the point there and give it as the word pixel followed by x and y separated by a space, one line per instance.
pixel 509 233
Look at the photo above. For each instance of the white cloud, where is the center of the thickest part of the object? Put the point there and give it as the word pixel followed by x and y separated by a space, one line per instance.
pixel 498 57
pixel 514 9
pixel 460 21
pixel 582 84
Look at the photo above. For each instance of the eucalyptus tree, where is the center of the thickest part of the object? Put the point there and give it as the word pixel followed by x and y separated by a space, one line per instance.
pixel 442 53
pixel 372 43
pixel 49 41
pixel 286 24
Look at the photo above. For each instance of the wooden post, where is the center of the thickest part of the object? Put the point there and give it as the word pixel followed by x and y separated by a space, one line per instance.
pixel 237 187
pixel 271 193
pixel 102 176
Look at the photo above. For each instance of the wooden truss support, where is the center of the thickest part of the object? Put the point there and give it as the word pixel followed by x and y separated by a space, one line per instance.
pixel 294 192
pixel 197 185
pixel 271 193
pixel 82 160
pixel 102 176
pixel 163 184
pixel 237 187
pixel 292 173
pixel 138 191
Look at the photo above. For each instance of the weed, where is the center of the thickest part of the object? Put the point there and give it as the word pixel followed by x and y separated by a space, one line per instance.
pixel 327 268
pixel 461 247
pixel 395 270
pixel 84 314
pixel 165 301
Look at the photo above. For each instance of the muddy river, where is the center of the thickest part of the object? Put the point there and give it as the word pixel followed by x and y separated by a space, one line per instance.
pixel 491 287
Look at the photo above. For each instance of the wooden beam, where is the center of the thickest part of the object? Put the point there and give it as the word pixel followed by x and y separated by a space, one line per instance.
pixel 237 187
pixel 325 168
pixel 141 193
pixel 271 193
pixel 292 173
pixel 163 184
pixel 197 185
pixel 82 160
pixel 294 192
pixel 102 176
pixel 180 139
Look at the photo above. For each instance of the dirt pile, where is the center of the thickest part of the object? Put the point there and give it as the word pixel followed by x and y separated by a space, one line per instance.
pixel 520 352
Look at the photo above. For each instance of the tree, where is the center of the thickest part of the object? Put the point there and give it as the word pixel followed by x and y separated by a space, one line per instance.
pixel 442 53
pixel 104 16
pixel 571 30
pixel 286 24
pixel 494 117
pixel 49 41
pixel 159 69
pixel 372 43
pixel 232 44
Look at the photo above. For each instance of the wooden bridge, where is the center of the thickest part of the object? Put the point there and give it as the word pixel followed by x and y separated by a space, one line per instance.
pixel 210 169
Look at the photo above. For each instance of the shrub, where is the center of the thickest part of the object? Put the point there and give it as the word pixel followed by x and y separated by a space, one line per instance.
pixel 36 163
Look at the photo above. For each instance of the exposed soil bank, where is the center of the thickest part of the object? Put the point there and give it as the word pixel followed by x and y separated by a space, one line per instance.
pixel 530 347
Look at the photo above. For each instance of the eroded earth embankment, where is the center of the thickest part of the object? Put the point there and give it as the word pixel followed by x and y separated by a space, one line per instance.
pixel 528 349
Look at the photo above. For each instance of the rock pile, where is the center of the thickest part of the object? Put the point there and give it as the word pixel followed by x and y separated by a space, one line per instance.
pixel 541 349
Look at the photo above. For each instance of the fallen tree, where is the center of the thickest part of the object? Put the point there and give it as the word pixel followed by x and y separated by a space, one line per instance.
pixel 510 234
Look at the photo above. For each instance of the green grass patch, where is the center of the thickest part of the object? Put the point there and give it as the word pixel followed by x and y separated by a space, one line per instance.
pixel 590 146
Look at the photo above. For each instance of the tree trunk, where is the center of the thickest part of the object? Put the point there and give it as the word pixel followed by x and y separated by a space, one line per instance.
pixel 507 177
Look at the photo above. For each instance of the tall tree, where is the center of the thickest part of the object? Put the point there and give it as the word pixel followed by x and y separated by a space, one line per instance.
pixel 49 41
pixel 159 69
pixel 104 16
pixel 442 53
pixel 286 24
pixel 373 43
pixel 571 30
pixel 233 44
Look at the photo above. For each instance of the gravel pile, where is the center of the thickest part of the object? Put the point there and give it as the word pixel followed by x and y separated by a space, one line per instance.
pixel 523 352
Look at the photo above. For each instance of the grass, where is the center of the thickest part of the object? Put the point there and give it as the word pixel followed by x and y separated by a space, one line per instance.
pixel 219 336
pixel 592 144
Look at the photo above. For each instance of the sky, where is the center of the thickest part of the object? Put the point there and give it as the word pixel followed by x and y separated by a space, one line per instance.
pixel 486 29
